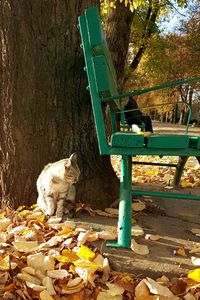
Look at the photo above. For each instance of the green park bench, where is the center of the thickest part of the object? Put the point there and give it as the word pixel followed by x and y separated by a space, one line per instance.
pixel 103 91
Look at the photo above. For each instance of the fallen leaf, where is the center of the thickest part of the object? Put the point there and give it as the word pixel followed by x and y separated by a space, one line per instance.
pixel 158 289
pixel 26 246
pixel 189 296
pixel 136 230
pixel 152 237
pixel 107 235
pixel 106 296
pixel 48 283
pixel 150 297
pixel 138 206
pixel 112 211
pixel 141 289
pixel 194 275
pixel 195 261
pixel 180 252
pixel 58 274
pixel 35 287
pixel 85 253
pixel 179 287
pixel 44 295
pixel 138 248
pixel 114 289
pixel 195 230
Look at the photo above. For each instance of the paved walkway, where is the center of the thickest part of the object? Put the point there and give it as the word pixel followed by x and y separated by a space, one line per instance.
pixel 174 229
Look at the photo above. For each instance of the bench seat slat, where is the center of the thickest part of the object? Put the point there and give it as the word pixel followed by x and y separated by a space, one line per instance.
pixel 119 139
pixel 168 141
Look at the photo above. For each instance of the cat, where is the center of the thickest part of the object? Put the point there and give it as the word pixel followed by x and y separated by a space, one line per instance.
pixel 55 186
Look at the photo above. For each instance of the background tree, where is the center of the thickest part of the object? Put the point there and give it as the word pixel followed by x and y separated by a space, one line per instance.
pixel 170 57
pixel 45 110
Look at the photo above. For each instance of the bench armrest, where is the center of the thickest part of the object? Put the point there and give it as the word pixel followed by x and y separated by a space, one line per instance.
pixel 150 89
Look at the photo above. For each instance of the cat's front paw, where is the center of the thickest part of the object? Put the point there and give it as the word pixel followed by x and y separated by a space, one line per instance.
pixel 49 212
pixel 59 214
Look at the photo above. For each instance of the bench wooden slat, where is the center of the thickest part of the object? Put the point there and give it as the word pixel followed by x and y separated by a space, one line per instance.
pixel 168 141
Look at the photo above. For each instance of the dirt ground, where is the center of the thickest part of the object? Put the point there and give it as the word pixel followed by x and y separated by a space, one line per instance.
pixel 172 220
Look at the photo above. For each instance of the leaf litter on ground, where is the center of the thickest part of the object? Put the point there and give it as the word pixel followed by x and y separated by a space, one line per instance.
pixel 51 261
pixel 159 174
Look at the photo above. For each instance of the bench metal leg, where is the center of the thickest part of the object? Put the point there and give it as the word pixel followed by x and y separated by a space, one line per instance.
pixel 125 202
pixel 179 170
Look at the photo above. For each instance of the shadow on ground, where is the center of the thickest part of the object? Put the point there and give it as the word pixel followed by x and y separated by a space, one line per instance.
pixel 174 229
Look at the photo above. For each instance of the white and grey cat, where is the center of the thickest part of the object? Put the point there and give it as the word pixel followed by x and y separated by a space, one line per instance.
pixel 55 186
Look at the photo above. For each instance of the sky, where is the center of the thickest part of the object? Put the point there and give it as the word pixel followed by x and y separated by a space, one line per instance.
pixel 172 22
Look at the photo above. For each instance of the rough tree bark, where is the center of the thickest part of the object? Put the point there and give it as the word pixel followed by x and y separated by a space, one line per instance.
pixel 45 110
pixel 118 30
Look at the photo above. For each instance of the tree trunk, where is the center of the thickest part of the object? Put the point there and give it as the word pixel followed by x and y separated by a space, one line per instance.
pixel 45 110
pixel 118 30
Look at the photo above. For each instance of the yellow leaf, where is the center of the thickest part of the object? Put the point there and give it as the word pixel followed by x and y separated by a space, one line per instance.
pixel 64 231
pixel 151 172
pixel 40 218
pixel 24 212
pixel 70 254
pixel 2 216
pixel 21 207
pixel 27 231
pixel 83 264
pixel 85 253
pixel 63 259
pixel 186 183
pixel 4 223
pixel 194 275
pixel 5 263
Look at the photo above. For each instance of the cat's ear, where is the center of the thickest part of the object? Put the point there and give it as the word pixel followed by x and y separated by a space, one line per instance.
pixel 73 157
pixel 67 163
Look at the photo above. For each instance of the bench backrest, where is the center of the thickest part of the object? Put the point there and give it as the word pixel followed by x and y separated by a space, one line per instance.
pixel 101 73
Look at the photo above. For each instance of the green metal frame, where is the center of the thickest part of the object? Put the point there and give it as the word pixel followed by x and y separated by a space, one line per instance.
pixel 103 89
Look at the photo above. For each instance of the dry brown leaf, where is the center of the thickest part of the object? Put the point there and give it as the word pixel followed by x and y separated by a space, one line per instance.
pixel 195 230
pixel 150 297
pixel 138 248
pixel 136 230
pixel 138 206
pixel 58 274
pixel 180 252
pixel 158 289
pixel 179 287
pixel 106 296
pixel 141 289
pixel 189 296
pixel 112 211
pixel 114 289
pixel 26 246
pixel 35 287
pixel 48 283
pixel 44 295
pixel 29 278
pixel 107 235
pixel 152 237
